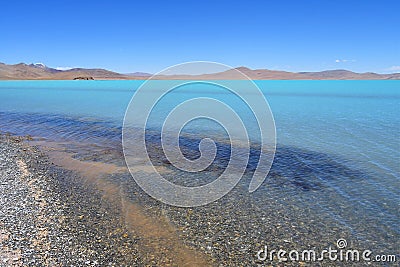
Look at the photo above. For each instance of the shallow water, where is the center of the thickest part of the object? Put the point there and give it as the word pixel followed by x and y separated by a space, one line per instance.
pixel 336 170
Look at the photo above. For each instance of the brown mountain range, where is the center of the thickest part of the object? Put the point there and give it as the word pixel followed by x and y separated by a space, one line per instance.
pixel 23 71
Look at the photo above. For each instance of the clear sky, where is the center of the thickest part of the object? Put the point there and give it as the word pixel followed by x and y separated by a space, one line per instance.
pixel 129 36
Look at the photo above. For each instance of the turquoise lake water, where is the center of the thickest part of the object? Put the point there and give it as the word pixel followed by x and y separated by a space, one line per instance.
pixel 338 141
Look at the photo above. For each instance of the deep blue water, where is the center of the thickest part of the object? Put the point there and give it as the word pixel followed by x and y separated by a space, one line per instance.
pixel 338 140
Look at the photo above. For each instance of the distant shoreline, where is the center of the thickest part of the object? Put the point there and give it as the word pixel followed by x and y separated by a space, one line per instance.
pixel 192 79
pixel 41 72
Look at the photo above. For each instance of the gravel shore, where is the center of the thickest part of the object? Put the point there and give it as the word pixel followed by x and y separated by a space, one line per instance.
pixel 51 216
pixel 48 217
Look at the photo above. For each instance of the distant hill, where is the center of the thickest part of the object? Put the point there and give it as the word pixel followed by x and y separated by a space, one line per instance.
pixel 349 75
pixel 23 71
pixel 139 74
pixel 39 71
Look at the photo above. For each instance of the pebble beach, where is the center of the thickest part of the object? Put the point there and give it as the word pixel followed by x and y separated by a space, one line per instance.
pixel 48 217
pixel 51 216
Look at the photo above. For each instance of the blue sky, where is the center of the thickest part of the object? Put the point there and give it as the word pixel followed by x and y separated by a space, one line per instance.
pixel 129 36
